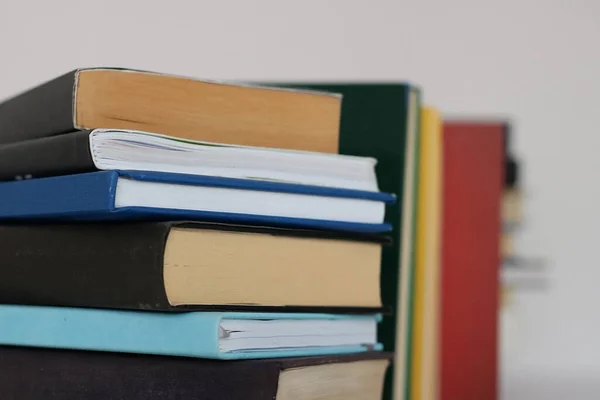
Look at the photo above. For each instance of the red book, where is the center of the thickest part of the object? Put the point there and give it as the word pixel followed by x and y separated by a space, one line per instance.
pixel 473 170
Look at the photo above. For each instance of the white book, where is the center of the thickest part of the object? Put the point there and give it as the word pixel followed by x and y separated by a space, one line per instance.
pixel 143 151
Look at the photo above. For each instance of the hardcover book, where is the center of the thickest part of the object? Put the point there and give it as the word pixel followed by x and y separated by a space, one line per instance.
pixel 187 108
pixel 46 374
pixel 226 336
pixel 171 266
pixel 381 120
pixel 424 364
pixel 131 195
pixel 472 191
pixel 117 149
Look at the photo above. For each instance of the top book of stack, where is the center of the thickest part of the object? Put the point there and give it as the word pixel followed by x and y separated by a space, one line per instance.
pixel 180 107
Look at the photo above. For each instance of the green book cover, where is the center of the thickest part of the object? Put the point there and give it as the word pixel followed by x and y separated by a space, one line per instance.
pixel 381 120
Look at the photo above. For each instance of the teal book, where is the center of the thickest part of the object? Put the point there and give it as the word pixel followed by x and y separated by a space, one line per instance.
pixel 213 335
pixel 381 120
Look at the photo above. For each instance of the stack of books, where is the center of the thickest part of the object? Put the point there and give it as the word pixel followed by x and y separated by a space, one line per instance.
pixel 154 226
pixel 166 237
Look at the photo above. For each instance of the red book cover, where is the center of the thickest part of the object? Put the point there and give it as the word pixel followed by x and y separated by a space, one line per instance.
pixel 473 170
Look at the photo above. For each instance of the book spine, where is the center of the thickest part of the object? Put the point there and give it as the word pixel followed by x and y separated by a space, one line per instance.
pixel 64 196
pixel 63 374
pixel 51 156
pixel 174 334
pixel 472 190
pixel 84 265
pixel 45 110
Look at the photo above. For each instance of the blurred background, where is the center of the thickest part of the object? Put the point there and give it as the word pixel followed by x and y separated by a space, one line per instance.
pixel 534 62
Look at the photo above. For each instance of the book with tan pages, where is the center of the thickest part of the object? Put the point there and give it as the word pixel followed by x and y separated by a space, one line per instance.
pixel 177 106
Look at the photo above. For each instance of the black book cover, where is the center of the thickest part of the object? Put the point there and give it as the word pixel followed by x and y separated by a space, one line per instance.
pixel 108 265
pixel 511 164
pixel 44 374
pixel 45 110
pixel 50 156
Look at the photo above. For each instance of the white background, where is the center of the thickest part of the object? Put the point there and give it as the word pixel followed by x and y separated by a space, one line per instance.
pixel 537 62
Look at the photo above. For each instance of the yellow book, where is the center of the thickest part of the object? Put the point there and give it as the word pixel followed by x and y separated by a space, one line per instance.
pixel 426 309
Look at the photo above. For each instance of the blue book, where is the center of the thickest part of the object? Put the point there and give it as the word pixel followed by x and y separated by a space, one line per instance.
pixel 195 334
pixel 133 195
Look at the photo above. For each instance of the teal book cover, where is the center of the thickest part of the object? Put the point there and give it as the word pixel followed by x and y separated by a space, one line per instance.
pixel 214 335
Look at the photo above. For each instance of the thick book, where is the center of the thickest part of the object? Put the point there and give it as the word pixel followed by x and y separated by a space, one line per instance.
pixel 215 335
pixel 173 266
pixel 177 106
pixel 472 191
pixel 423 371
pixel 381 120
pixel 117 149
pixel 126 195
pixel 46 374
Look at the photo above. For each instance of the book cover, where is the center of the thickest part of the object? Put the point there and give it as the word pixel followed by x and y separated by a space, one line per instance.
pixel 124 265
pixel 424 378
pixel 54 374
pixel 50 156
pixel 189 108
pixel 472 190
pixel 94 197
pixel 192 334
pixel 118 149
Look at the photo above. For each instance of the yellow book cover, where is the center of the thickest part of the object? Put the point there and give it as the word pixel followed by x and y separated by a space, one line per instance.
pixel 425 326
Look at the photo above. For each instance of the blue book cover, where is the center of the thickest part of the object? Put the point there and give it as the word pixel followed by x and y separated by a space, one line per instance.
pixel 193 334
pixel 111 195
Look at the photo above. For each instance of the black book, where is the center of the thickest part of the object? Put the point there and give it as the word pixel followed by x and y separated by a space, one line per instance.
pixel 51 156
pixel 118 149
pixel 171 266
pixel 43 374
pixel 90 98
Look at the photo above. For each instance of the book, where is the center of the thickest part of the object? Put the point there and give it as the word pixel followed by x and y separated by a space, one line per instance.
pixel 116 149
pixel 512 207
pixel 423 373
pixel 381 120
pixel 472 189
pixel 50 374
pixel 111 195
pixel 226 336
pixel 507 246
pixel 187 108
pixel 511 163
pixel 170 266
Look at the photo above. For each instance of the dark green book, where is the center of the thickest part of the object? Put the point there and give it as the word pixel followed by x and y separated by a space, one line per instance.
pixel 381 120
